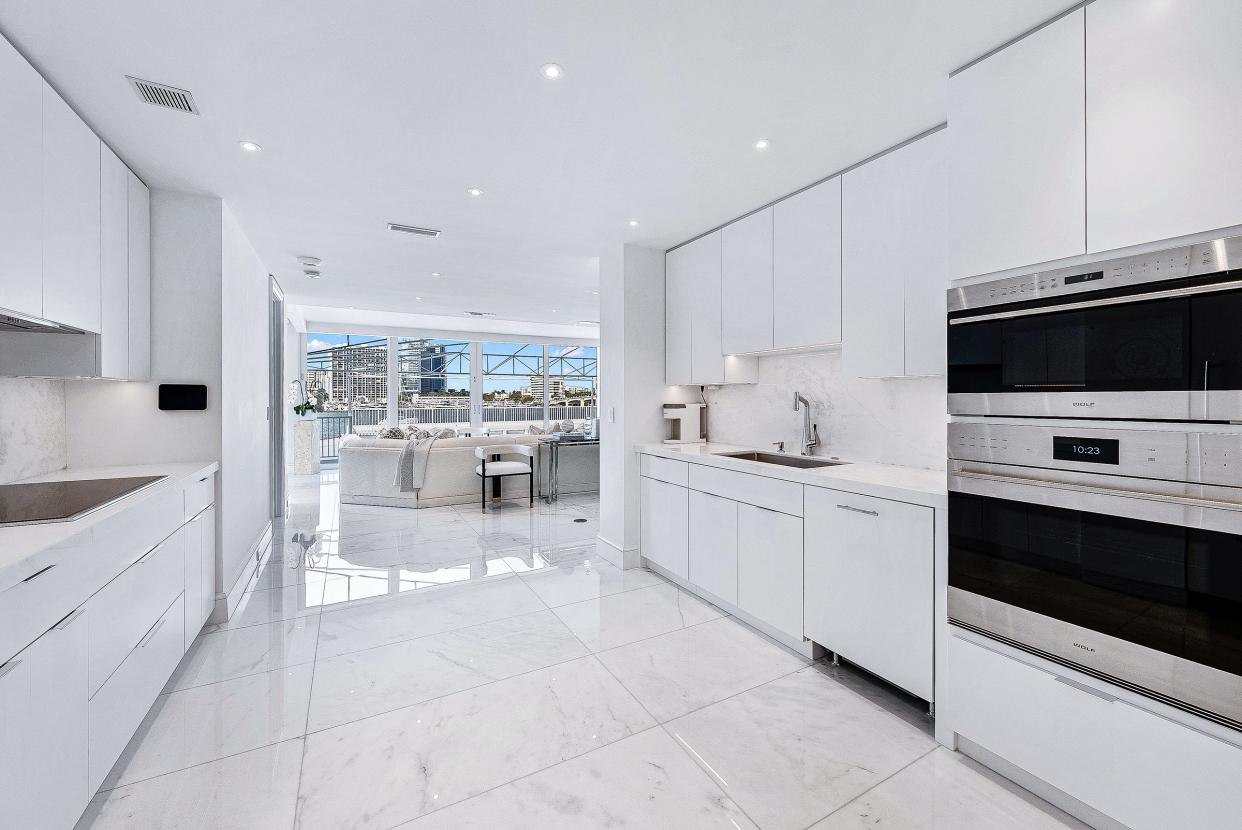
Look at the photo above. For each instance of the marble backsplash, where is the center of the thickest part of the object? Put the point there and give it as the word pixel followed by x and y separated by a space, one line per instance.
pixel 890 421
pixel 33 437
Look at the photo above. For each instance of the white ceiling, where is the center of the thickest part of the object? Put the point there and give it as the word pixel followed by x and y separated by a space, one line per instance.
pixel 389 110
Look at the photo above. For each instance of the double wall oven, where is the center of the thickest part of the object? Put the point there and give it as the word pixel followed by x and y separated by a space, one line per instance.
pixel 1095 471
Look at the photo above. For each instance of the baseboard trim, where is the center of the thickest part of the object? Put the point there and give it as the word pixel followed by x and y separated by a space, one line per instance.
pixel 227 602
pixel 623 558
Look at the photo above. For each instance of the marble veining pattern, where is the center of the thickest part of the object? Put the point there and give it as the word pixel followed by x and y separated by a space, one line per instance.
pixel 33 437
pixel 534 686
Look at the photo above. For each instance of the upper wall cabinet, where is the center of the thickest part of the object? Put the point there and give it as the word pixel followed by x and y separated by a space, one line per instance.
pixel 1162 119
pixel 894 253
pixel 70 216
pixel 692 351
pixel 1017 168
pixel 113 266
pixel 806 267
pixel 746 311
pixel 139 263
pixel 21 184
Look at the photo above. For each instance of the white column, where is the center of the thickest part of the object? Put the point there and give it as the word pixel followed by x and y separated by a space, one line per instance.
pixel 547 392
pixel 476 387
pixel 394 383
pixel 631 385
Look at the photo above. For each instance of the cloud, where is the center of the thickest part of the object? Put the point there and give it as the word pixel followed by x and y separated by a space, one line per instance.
pixel 316 344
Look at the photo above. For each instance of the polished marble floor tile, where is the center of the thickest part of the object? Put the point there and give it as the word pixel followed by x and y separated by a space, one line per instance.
pixel 257 789
pixel 947 791
pixel 210 722
pixel 577 578
pixel 364 683
pixel 645 781
pixel 391 620
pixel 684 670
pixel 618 619
pixel 237 652
pixel 397 766
pixel 271 605
pixel 793 750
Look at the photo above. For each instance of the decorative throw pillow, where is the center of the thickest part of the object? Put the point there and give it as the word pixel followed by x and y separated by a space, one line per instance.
pixel 447 432
pixel 416 433
pixel 534 430
pixel 392 432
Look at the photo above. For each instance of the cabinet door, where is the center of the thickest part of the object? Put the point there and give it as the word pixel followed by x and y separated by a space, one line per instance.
pixel 139 279
pixel 207 527
pixel 113 265
pixel 19 742
pixel 894 254
pixel 192 541
pixel 1162 120
pixel 677 305
pixel 746 269
pixel 1017 166
pixel 58 708
pixel 21 172
pixel 707 356
pixel 70 216
pixel 663 514
pixel 869 584
pixel 713 544
pixel 806 267
pixel 769 567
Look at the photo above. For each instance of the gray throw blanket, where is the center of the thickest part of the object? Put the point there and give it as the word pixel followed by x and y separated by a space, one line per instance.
pixel 412 467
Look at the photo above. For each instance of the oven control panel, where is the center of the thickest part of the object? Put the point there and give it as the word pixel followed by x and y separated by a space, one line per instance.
pixel 1140 453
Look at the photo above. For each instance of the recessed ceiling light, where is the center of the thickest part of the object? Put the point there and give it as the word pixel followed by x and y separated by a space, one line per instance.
pixel 249 146
pixel 474 191
pixel 553 71
pixel 633 223
pixel 596 293
pixel 418 298
pixel 762 144
pixel 351 308
pixel 414 229
pixel 436 274
pixel 554 311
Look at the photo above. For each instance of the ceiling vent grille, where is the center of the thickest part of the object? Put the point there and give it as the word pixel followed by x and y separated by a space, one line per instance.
pixel 393 226
pixel 479 313
pixel 163 95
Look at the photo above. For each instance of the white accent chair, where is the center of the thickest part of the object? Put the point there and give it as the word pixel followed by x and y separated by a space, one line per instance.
pixel 500 469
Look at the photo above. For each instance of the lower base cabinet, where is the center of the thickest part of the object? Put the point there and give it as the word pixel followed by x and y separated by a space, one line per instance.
pixel 870 584
pixel 200 571
pixel 43 730
pixel 664 516
pixel 769 567
pixel 713 545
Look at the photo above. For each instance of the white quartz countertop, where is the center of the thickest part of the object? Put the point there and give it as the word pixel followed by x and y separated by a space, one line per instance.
pixel 889 481
pixel 24 547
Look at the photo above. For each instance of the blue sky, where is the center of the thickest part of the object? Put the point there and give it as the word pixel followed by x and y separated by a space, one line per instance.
pixel 317 340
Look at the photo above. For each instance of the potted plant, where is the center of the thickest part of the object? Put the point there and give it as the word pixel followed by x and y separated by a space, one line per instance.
pixel 304 406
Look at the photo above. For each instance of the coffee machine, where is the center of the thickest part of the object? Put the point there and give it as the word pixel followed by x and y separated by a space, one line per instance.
pixel 687 423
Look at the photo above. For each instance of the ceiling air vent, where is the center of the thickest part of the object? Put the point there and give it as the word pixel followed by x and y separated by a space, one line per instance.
pixel 163 95
pixel 393 226
pixel 479 313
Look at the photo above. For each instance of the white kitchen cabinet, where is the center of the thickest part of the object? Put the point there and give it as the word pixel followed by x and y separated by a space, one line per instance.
pixel 70 210
pixel 713 545
pixel 210 588
pixel 21 172
pixel 1162 119
pixel 664 516
pixel 113 266
pixel 139 279
pixel 1017 135
pixel 769 567
pixel 806 267
pixel 679 272
pixel 869 584
pixel 43 730
pixel 746 284
pixel 200 572
pixel 894 276
pixel 706 355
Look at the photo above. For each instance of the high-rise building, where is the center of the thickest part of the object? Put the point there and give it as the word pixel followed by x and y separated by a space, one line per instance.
pixel 360 371
pixel 423 367
pixel 556 386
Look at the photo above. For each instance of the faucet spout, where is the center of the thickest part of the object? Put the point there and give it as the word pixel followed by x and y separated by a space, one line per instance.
pixel 810 432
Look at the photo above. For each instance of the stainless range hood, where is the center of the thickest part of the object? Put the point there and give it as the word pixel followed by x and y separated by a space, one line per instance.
pixel 34 347
pixel 12 321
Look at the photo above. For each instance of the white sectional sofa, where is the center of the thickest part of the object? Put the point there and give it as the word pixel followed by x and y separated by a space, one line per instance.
pixel 368 468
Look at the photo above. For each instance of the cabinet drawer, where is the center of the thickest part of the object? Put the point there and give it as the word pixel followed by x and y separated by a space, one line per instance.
pixel 120 705
pixel 663 469
pixel 768 493
pixel 200 493
pixel 1143 770
pixel 123 611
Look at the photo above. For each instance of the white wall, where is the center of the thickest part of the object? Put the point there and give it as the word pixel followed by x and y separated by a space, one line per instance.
pixel 32 427
pixel 245 454
pixel 894 421
pixel 632 390
pixel 120 423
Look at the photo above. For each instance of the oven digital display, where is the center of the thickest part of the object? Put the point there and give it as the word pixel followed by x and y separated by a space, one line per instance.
pixel 1089 450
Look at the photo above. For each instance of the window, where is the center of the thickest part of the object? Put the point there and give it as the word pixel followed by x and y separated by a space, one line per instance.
pixel 435 382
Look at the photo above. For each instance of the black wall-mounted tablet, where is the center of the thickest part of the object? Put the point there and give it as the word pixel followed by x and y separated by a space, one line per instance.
pixel 183 396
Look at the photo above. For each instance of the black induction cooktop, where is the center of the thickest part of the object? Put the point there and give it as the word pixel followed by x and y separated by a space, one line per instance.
pixel 63 501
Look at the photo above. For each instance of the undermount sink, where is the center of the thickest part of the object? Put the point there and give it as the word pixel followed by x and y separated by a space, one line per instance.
pixel 802 461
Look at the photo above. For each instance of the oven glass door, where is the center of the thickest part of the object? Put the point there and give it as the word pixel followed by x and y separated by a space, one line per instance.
pixel 1174 589
pixel 1180 344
